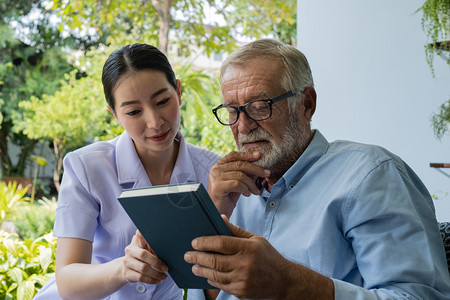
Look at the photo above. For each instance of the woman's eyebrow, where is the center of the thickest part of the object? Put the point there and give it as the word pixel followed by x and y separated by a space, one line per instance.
pixel 158 92
pixel 125 103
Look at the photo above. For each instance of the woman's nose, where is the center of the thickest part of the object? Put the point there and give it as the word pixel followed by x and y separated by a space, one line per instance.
pixel 153 119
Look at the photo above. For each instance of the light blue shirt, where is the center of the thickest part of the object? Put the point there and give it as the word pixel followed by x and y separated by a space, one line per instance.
pixel 357 214
pixel 94 176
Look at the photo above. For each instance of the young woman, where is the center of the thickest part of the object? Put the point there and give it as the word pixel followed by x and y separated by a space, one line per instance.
pixel 98 253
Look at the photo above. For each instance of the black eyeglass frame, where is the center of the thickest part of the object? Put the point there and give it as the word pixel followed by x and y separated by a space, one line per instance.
pixel 242 107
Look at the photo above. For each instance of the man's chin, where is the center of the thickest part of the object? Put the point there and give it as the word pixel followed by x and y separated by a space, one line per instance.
pixel 265 162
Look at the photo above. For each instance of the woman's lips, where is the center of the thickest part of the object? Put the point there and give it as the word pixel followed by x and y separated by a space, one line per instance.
pixel 160 137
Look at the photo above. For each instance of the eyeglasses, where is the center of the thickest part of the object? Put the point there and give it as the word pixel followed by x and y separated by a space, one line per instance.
pixel 257 110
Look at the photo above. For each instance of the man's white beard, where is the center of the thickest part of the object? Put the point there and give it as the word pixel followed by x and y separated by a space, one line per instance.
pixel 278 158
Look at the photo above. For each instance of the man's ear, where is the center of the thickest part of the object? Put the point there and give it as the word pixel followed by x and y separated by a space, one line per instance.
pixel 309 102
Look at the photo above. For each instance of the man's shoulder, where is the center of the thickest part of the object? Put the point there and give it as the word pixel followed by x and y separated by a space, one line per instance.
pixel 351 148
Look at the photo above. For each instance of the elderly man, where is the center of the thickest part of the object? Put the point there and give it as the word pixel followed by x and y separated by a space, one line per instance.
pixel 317 220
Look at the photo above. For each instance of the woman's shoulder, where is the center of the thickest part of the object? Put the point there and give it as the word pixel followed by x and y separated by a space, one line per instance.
pixel 96 151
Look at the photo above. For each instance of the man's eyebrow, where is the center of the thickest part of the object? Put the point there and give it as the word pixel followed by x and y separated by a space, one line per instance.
pixel 260 96
pixel 158 92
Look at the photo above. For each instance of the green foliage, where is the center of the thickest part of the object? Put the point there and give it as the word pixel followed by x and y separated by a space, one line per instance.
pixel 124 21
pixel 33 220
pixel 1 115
pixel 71 117
pixel 25 266
pixel 40 161
pixel 115 21
pixel 11 195
pixel 68 117
pixel 436 24
pixel 258 18
pixel 25 71
pixel 199 126
pixel 441 120
pixel 33 59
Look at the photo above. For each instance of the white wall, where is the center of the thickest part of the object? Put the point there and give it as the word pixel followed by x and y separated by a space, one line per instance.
pixel 373 82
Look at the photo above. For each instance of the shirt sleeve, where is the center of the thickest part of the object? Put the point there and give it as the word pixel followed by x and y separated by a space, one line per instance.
pixel 391 225
pixel 196 295
pixel 77 212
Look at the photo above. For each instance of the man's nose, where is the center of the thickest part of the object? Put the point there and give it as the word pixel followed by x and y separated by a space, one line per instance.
pixel 245 124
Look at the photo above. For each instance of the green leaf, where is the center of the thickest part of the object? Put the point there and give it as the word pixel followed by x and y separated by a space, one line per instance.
pixel 45 257
pixel 39 160
pixel 15 274
pixel 41 279
pixel 25 290
pixel 12 287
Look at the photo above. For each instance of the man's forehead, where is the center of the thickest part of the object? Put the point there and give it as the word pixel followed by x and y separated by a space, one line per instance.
pixel 255 80
pixel 244 94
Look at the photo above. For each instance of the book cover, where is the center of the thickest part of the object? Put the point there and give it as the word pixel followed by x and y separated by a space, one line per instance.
pixel 170 217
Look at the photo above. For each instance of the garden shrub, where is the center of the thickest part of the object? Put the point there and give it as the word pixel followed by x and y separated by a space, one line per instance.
pixel 25 265
pixel 35 219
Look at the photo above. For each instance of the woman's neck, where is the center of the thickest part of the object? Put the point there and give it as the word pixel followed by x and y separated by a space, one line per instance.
pixel 159 165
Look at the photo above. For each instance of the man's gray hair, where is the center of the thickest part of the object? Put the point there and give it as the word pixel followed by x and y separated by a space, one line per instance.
pixel 297 75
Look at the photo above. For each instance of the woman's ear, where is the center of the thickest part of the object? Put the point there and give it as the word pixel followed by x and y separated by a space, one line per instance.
pixel 179 92
pixel 114 114
pixel 309 102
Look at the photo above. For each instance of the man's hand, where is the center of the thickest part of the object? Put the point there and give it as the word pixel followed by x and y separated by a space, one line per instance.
pixel 232 176
pixel 245 265
pixel 141 264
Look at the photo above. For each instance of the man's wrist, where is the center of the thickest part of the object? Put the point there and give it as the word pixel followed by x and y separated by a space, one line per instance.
pixel 211 294
pixel 304 283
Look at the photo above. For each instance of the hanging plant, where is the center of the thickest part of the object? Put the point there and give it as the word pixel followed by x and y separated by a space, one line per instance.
pixel 436 24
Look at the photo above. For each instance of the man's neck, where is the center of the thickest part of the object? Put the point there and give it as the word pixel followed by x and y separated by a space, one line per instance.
pixel 283 166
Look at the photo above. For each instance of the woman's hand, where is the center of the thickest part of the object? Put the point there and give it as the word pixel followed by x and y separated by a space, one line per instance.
pixel 140 264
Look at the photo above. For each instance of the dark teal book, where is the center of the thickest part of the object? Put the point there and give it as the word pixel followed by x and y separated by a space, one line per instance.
pixel 170 217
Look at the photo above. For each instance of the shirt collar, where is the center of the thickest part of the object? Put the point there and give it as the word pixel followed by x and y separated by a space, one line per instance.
pixel 184 170
pixel 131 172
pixel 129 166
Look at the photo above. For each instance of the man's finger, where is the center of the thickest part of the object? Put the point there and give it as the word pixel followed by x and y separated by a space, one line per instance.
pixel 236 230
pixel 240 156
pixel 246 167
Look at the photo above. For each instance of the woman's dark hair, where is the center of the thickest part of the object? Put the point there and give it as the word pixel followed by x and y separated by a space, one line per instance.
pixel 133 57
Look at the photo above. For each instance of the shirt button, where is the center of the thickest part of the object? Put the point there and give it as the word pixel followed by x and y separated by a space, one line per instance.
pixel 291 186
pixel 140 288
pixel 272 204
